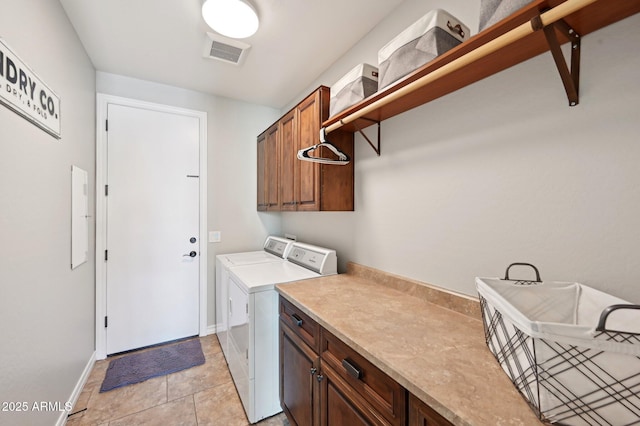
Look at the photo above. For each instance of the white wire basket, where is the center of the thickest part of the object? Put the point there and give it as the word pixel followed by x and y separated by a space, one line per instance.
pixel 573 352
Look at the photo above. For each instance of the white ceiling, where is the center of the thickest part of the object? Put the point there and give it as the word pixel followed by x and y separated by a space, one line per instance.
pixel 162 41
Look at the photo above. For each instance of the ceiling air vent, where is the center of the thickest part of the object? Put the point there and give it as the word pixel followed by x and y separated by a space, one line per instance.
pixel 225 49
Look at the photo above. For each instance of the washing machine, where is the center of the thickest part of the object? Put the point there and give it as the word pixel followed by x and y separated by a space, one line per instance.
pixel 275 249
pixel 252 343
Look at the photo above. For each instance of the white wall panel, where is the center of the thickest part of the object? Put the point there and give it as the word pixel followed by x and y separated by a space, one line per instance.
pixel 46 308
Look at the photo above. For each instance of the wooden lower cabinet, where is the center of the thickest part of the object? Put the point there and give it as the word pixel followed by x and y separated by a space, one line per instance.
pixel 340 405
pixel 339 408
pixel 420 414
pixel 324 382
pixel 299 367
pixel 380 398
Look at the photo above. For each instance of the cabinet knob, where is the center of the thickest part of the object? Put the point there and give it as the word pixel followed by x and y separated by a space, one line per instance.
pixel 313 371
pixel 320 377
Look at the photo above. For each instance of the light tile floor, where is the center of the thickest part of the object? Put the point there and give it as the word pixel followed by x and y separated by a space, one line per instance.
pixel 202 395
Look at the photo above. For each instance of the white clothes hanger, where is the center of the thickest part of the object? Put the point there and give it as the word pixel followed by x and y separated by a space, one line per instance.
pixel 342 159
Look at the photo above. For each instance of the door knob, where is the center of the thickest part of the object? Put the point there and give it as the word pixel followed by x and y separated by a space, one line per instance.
pixel 191 254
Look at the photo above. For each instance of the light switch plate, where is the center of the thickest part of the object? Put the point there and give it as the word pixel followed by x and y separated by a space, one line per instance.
pixel 214 236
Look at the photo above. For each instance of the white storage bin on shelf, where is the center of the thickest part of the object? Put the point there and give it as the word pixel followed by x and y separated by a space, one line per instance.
pixel 492 11
pixel 354 86
pixel 432 35
pixel 572 351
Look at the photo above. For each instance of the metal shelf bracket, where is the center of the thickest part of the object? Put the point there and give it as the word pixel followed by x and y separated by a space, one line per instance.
pixel 376 149
pixel 570 77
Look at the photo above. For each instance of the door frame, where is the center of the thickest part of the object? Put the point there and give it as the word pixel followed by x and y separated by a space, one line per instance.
pixel 102 102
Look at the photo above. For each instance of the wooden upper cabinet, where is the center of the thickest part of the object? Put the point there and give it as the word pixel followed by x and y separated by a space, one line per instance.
pixel 262 189
pixel 272 166
pixel 288 160
pixel 336 182
pixel 309 118
pixel 268 169
pixel 302 185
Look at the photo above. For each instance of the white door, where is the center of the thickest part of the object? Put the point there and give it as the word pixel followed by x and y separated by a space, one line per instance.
pixel 152 267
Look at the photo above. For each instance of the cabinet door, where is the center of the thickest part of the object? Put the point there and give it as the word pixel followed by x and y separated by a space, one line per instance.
pixel 299 366
pixel 272 169
pixel 336 188
pixel 341 406
pixel 309 120
pixel 288 161
pixel 262 199
pixel 420 414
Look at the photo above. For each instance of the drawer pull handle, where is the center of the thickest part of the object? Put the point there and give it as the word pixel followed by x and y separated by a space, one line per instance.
pixel 297 320
pixel 352 370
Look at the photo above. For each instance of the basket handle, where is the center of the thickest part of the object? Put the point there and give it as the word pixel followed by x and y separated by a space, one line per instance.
pixel 506 274
pixel 455 29
pixel 605 314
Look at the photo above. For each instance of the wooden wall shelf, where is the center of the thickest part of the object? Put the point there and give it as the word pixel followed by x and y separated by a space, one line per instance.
pixel 584 21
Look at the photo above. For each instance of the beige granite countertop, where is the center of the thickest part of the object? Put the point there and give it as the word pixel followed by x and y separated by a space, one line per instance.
pixel 436 353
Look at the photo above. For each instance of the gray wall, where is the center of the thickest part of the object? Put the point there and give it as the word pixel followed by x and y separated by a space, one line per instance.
pixel 46 309
pixel 499 172
pixel 232 129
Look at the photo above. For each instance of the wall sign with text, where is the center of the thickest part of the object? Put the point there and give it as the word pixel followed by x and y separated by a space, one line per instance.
pixel 23 92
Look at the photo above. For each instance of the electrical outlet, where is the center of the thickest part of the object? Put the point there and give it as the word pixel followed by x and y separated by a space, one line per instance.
pixel 214 237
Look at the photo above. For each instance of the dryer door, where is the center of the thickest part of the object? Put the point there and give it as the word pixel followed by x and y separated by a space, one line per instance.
pixel 238 339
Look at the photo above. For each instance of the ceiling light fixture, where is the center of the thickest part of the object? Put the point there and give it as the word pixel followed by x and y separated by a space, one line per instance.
pixel 231 18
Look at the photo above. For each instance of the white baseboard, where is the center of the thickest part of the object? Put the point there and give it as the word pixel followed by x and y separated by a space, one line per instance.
pixel 212 329
pixel 62 420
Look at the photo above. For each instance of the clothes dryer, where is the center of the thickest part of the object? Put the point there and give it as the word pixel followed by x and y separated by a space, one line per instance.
pixel 253 323
pixel 275 249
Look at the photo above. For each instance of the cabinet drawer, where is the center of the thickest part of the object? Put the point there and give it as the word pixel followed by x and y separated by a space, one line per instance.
pixel 301 324
pixel 378 389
